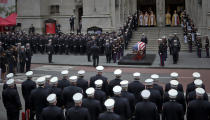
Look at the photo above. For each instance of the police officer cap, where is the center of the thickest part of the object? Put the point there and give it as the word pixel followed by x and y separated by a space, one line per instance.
pixel 29 73
pixel 145 94
pixel 51 98
pixel 98 83
pixel 81 72
pixel 174 83
pixel 199 91
pixel 73 78
pixel 100 68
pixel 40 80
pixel 149 81
pixel 109 103
pixel 65 72
pixel 90 91
pixel 10 75
pixel 154 76
pixel 196 75
pixel 124 83
pixel 77 97
pixel 172 93
pixel 136 74
pixel 48 76
pixel 22 47
pixel 10 82
pixel 159 39
pixel 174 75
pixel 117 90
pixel 54 80
pixel 117 72
pixel 198 82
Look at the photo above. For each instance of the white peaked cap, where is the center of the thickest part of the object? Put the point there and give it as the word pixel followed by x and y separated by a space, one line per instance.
pixel 29 73
pixel 136 74
pixel 98 83
pixel 109 103
pixel 174 75
pixel 174 83
pixel 65 72
pixel 196 75
pixel 40 80
pixel 124 83
pixel 149 81
pixel 117 72
pixel 154 76
pixel 54 80
pixel 10 82
pixel 199 91
pixel 48 76
pixel 81 72
pixel 73 78
pixel 198 82
pixel 51 98
pixel 77 97
pixel 100 68
pixel 117 90
pixel 90 91
pixel 145 94
pixel 172 93
pixel 10 75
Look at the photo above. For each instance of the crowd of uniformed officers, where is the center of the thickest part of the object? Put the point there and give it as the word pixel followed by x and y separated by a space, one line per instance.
pixel 74 98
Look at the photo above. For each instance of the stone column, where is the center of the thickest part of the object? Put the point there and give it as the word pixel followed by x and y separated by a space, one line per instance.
pixel 117 13
pixel 160 12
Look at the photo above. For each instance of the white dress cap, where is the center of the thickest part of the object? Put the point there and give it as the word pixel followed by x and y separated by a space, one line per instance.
pixel 98 83
pixel 136 74
pixel 29 73
pixel 40 80
pixel 99 68
pixel 65 72
pixel 10 82
pixel 117 72
pixel 10 75
pixel 51 98
pixel 198 82
pixel 117 90
pixel 145 94
pixel 109 103
pixel 73 78
pixel 54 80
pixel 172 93
pixel 154 76
pixel 90 91
pixel 196 75
pixel 77 97
pixel 174 83
pixel 124 83
pixel 81 72
pixel 199 91
pixel 174 75
pixel 149 81
pixel 48 76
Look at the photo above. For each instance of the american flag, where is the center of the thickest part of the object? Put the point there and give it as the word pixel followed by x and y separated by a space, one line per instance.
pixel 141 45
pixel 3 1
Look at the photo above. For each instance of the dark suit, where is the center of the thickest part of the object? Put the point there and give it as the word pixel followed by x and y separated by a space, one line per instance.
pixel 28 59
pixel 52 112
pixel 58 92
pixel 131 99
pixel 77 113
pixel 82 83
pixel 50 52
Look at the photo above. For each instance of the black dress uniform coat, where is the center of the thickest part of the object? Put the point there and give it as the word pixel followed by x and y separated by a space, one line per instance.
pixel 158 87
pixel 198 110
pixel 101 96
pixel 52 112
pixel 109 116
pixel 156 98
pixel 68 93
pixel 131 99
pixel 101 77
pixel 27 86
pixel 136 87
pixel 192 96
pixel 191 87
pixel 93 106
pixel 146 110
pixel 58 92
pixel 77 113
pixel 113 83
pixel 179 87
pixel 63 83
pixel 172 110
pixel 82 83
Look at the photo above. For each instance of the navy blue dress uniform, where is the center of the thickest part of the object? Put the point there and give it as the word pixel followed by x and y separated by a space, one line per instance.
pixel 99 94
pixel 192 96
pixel 108 51
pixel 176 46
pixel 22 58
pixel 9 76
pixel 144 39
pixel 52 112
pixel 109 114
pixel 11 101
pixel 28 57
pixel 81 82
pixel 115 81
pixel 69 91
pixel 198 109
pixel 172 110
pixel 77 112
pixel 93 105
pixel 161 53
pixel 170 85
pixel 146 110
pixel 95 51
pixel 155 85
pixel 27 86
pixel 64 82
pixel 207 46
pixel 38 99
pixel 88 50
pixel 50 51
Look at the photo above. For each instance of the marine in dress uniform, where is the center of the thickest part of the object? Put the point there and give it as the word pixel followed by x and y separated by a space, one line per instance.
pixel 168 86
pixel 81 82
pixel 115 81
pixel 146 110
pixel 64 82
pixel 77 112
pixel 176 46
pixel 99 94
pixel 52 112
pixel 161 52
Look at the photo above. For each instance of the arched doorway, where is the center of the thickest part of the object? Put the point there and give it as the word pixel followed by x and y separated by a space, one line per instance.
pixel 146 5
pixel 178 5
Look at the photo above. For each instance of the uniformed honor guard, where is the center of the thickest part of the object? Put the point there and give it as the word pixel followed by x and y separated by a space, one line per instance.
pixel 22 59
pixel 95 54
pixel 81 82
pixel 64 82
pixel 99 94
pixel 116 81
pixel 109 114
pixel 77 112
pixel 146 109
pixel 198 109
pixel 52 112
pixel 11 100
pixel 161 52
pixel 93 105
pixel 155 77
pixel 50 51
pixel 174 83
pixel 172 110
pixel 28 57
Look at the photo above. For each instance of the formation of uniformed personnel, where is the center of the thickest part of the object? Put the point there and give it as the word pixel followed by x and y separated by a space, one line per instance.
pixel 64 82
pixel 115 81
pixel 174 77
pixel 81 82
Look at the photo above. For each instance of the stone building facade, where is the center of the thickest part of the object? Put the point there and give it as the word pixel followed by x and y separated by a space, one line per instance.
pixel 107 14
